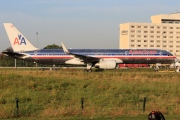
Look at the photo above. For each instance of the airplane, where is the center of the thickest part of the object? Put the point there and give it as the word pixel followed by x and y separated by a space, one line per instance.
pixel 99 58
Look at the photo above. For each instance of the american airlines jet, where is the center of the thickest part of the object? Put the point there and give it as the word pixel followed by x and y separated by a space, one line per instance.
pixel 100 58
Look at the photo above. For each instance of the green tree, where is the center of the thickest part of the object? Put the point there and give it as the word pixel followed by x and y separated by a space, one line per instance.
pixel 53 46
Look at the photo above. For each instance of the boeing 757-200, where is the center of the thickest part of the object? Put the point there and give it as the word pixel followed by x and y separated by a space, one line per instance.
pixel 100 58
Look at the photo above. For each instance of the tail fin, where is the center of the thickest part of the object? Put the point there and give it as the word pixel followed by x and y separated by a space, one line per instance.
pixel 17 40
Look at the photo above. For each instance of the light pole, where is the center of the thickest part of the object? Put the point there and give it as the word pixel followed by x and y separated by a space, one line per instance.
pixel 37 46
pixel 15 65
pixel 37 38
pixel 0 59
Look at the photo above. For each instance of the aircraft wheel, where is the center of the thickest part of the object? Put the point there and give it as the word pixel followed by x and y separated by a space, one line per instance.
pixel 89 70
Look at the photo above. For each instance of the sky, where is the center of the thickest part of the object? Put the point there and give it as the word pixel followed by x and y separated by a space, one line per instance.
pixel 77 23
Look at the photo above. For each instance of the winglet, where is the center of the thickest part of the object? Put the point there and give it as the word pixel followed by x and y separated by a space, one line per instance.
pixel 64 48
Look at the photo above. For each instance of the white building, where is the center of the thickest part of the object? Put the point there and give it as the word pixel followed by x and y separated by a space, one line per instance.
pixel 162 33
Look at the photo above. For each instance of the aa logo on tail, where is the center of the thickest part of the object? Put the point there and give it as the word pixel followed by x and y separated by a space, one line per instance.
pixel 19 40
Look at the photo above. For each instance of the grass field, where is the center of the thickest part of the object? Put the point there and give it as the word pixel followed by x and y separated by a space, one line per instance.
pixel 111 94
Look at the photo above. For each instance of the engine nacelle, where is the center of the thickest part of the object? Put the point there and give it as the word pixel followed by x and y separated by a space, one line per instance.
pixel 107 64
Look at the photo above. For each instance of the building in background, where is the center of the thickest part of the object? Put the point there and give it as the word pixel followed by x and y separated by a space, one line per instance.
pixel 162 33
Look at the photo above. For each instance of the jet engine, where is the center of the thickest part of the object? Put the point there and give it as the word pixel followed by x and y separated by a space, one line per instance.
pixel 106 64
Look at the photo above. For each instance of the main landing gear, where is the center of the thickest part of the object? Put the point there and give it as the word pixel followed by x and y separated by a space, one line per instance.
pixel 157 67
pixel 89 66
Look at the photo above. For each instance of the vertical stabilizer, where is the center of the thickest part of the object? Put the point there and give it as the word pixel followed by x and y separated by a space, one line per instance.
pixel 17 40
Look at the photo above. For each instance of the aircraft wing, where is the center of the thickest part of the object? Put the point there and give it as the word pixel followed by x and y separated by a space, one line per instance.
pixel 83 58
pixel 86 58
